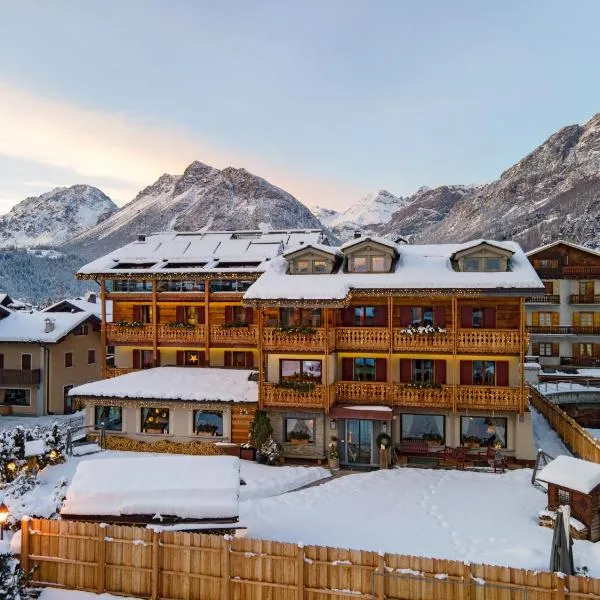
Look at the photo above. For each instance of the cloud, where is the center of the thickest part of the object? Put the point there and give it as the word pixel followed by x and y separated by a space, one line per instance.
pixel 99 144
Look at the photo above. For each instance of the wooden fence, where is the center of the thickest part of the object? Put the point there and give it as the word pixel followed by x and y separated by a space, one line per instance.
pixel 190 566
pixel 575 437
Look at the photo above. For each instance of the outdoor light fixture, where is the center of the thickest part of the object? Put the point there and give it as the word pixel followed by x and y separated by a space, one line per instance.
pixel 384 427
pixel 3 518
pixel 332 424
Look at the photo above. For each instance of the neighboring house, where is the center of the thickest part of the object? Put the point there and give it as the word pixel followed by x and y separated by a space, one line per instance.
pixel 42 356
pixel 564 321
pixel 425 343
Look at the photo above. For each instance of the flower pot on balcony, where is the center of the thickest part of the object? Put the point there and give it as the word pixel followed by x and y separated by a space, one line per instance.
pixel 299 441
pixel 334 464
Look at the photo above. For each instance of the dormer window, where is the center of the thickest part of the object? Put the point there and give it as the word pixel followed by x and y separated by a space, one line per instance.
pixel 310 263
pixel 476 264
pixel 369 264
pixel 485 257
pixel 472 264
pixel 303 266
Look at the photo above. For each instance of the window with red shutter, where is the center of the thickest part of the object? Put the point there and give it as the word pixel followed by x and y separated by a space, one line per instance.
pixel 405 370
pixel 380 369
pixel 440 372
pixel 466 372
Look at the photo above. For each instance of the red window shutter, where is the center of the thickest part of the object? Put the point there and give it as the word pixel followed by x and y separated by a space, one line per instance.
pixel 405 370
pixel 249 315
pixel 229 314
pixel 439 316
pixel 466 317
pixel 1 361
pixel 137 360
pixel 380 316
pixel 489 317
pixel 555 349
pixel 347 317
pixel 137 316
pixel 380 369
pixel 179 358
pixel 179 314
pixel 202 358
pixel 466 372
pixel 502 372
pixel 200 315
pixel 228 358
pixel 440 371
pixel 347 369
pixel 249 360
pixel 405 316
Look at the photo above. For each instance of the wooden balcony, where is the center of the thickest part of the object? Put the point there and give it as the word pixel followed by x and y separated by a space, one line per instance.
pixel 173 336
pixel 233 336
pixel 545 299
pixel 488 397
pixel 582 271
pixel 115 372
pixel 361 392
pixel 20 376
pixel 274 396
pixel 422 342
pixel 580 361
pixel 289 341
pixel 403 395
pixel 126 334
pixel 564 330
pixel 496 341
pixel 362 338
pixel 584 299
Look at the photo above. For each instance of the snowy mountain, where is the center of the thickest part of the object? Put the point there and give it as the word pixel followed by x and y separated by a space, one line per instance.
pixel 203 197
pixel 54 217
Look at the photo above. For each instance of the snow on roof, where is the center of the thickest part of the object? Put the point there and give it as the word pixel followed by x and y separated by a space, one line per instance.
pixel 571 244
pixel 186 487
pixel 369 238
pixel 200 251
pixel 425 266
pixel 77 303
pixel 571 473
pixel 31 326
pixel 321 247
pixel 176 383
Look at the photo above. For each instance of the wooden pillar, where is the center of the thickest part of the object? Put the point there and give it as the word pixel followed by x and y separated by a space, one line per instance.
pixel 455 362
pixel 328 401
pixel 101 565
pixel 522 403
pixel 103 325
pixel 24 559
pixel 261 364
pixel 226 569
pixel 390 379
pixel 155 322
pixel 155 564
pixel 207 320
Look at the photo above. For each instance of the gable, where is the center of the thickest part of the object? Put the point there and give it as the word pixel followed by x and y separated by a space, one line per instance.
pixel 483 249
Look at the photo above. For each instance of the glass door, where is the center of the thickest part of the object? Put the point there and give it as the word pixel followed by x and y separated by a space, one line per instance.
pixel 359 441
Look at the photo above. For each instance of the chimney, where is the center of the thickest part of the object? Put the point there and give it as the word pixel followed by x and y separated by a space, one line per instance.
pixel 48 325
pixel 356 234
pixel 91 297
pixel 141 237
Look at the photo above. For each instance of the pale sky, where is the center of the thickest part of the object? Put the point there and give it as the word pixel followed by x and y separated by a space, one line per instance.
pixel 329 99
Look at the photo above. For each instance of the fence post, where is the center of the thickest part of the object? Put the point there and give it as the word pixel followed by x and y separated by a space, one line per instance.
pixel 467 581
pixel 558 583
pixel 101 566
pixel 155 564
pixel 25 545
pixel 381 571
pixel 300 572
pixel 225 568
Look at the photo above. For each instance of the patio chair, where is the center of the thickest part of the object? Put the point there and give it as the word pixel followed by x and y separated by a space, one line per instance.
pixel 496 460
pixel 455 457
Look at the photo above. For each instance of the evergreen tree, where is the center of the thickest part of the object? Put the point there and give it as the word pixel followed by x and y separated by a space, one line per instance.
pixel 260 429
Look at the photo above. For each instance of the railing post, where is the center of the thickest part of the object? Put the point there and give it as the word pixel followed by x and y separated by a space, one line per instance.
pixel 226 568
pixel 101 565
pixel 155 564
pixel 300 573
pixel 25 545
pixel 380 574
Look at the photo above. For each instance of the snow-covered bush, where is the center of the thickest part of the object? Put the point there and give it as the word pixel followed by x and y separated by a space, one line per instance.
pixel 12 579
pixel 272 450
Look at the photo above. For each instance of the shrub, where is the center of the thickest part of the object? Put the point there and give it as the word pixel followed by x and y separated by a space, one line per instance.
pixel 260 429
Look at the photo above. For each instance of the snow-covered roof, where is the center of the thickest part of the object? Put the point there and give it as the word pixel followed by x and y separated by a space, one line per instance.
pixel 418 267
pixel 200 252
pixel 176 383
pixel 182 487
pixel 78 305
pixel 320 247
pixel 31 326
pixel 369 238
pixel 558 242
pixel 572 473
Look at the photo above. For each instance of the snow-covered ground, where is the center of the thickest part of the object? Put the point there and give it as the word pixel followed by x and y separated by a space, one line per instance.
pixel 548 388
pixel 50 594
pixel 594 433
pixel 46 421
pixel 545 438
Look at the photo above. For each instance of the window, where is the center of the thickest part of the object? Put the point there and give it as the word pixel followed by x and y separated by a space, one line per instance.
pixel 422 371
pixel 174 285
pixel 472 264
pixel 360 264
pixel 190 315
pixel 364 316
pixel 368 264
pixel 238 359
pixel 483 431
pixel 208 422
pixel 364 369
pixel 548 287
pixel 146 359
pixel 431 428
pixel 142 313
pixel 68 359
pixel 110 356
pixel 26 362
pixel 109 416
pixel 67 400
pixel 300 370
pixel 300 317
pixel 320 266
pixel 545 263
pixel 545 319
pixel 493 264
pixel 586 349
pixel 190 358
pixel 378 264
pixel 81 330
pixel 422 315
pixel 300 429
pixel 303 266
pixel 129 285
pixel 564 497
pixel 545 349
pixel 155 420
pixel 91 357
pixel 15 397
pixel 586 288
pixel 586 319
pixel 229 285
pixel 477 317
pixel 484 372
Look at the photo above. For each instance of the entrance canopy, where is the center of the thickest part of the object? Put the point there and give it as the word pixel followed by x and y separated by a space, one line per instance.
pixel 371 413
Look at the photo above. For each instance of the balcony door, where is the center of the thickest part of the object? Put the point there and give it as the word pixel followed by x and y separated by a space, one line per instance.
pixel 359 442
pixel 586 290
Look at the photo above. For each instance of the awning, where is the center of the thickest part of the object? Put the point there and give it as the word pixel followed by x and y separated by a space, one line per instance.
pixel 371 413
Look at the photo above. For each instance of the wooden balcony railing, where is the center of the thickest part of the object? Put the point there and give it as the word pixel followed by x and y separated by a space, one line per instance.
pixel 545 299
pixel 20 376
pixel 274 396
pixel 584 299
pixel 128 334
pixel 115 372
pixel 422 342
pixel 580 361
pixel 403 395
pixel 497 341
pixel 488 397
pixel 233 336
pixel 362 338
pixel 564 330
pixel 176 335
pixel 592 271
pixel 277 339
pixel 361 392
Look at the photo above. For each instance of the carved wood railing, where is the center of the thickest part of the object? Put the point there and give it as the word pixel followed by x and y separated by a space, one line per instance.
pixel 403 395
pixel 176 335
pixel 124 333
pixel 497 341
pixel 230 336
pixel 488 397
pixel 361 392
pixel 362 338
pixel 427 342
pixel 115 372
pixel 584 299
pixel 274 339
pixel 273 396
pixel 544 299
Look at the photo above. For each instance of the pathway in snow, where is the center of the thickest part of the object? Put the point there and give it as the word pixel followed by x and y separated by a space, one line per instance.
pixel 544 437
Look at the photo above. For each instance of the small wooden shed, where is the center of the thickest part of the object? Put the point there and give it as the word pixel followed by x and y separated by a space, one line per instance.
pixel 576 483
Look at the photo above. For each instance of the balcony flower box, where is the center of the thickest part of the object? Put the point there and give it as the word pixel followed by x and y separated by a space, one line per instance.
pixel 299 438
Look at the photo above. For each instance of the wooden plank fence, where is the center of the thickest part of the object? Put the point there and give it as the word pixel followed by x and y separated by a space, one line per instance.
pixel 574 436
pixel 174 565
